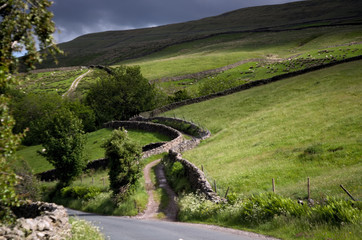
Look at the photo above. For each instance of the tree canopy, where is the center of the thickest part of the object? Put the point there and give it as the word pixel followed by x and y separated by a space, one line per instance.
pixel 124 166
pixel 63 142
pixel 121 95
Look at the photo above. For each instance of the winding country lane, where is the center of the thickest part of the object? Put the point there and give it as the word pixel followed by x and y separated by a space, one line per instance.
pixel 148 227
pixel 75 83
pixel 123 228
pixel 153 207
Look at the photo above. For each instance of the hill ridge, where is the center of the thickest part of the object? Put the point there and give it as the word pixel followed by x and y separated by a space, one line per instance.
pixel 115 46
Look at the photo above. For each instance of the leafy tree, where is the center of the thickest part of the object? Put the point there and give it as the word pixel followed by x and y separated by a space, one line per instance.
pixel 124 166
pixel 32 110
pixel 20 21
pixel 63 141
pixel 121 95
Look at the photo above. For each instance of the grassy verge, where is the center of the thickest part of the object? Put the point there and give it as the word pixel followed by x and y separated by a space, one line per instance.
pixel 90 195
pixel 278 216
pixel 84 230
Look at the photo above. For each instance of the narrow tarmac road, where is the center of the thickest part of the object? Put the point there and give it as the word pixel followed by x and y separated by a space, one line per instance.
pixel 123 228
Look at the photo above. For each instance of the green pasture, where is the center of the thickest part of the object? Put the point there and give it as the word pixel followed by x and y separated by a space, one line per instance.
pixel 58 81
pixel 92 151
pixel 222 50
pixel 305 126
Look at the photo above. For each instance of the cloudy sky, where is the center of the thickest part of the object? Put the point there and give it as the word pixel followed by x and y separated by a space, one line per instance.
pixel 77 17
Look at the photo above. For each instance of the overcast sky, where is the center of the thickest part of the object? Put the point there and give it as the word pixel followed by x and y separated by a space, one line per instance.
pixel 77 17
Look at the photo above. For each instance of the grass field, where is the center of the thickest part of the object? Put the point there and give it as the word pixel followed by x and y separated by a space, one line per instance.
pixel 58 81
pixel 226 49
pixel 93 148
pixel 305 126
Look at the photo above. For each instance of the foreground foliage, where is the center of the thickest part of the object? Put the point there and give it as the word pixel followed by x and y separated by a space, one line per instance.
pixel 20 22
pixel 8 144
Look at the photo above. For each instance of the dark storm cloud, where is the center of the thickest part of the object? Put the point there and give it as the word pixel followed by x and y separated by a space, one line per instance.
pixel 77 17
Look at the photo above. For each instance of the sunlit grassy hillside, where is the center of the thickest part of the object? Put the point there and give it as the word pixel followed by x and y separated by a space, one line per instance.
pixel 305 126
pixel 227 49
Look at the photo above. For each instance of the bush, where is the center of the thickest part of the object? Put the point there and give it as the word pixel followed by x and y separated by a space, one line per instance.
pixel 80 192
pixel 28 185
pixel 124 166
pixel 337 212
pixel 178 96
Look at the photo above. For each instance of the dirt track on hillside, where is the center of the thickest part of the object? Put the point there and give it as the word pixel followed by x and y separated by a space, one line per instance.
pixel 75 83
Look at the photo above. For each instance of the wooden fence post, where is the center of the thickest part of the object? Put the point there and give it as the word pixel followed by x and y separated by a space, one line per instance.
pixel 227 191
pixel 308 185
pixel 273 183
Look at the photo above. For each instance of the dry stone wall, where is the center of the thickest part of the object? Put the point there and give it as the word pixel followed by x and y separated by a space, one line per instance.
pixel 175 135
pixel 200 133
pixel 38 221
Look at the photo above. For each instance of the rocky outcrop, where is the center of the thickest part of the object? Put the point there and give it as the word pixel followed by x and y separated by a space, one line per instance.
pixel 38 221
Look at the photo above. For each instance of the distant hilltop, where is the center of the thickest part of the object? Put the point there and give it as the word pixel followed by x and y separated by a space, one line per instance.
pixel 112 47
